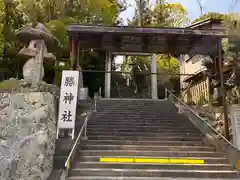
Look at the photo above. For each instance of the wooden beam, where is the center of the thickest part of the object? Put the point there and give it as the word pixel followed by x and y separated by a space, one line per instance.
pixel 138 30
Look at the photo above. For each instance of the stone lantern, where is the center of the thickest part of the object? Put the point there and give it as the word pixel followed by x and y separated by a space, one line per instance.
pixel 36 52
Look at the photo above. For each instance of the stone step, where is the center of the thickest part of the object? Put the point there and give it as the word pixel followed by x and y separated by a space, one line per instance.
pixel 207 160
pixel 144 129
pixel 132 100
pixel 136 104
pixel 141 110
pixel 153 166
pixel 188 153
pixel 145 138
pixel 139 105
pixel 140 142
pixel 147 134
pixel 157 108
pixel 155 173
pixel 147 147
pixel 141 178
pixel 141 119
pixel 135 126
pixel 137 114
pixel 142 123
pixel 127 106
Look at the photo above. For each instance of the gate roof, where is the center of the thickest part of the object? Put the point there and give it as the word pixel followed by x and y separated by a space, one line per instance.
pixel 126 39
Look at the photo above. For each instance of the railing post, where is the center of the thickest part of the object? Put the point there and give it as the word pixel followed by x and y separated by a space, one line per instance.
pixel 179 106
pixel 95 103
pixel 85 132
pixel 100 92
pixel 85 128
pixel 166 94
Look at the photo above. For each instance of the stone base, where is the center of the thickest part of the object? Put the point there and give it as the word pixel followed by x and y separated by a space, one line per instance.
pixel 27 135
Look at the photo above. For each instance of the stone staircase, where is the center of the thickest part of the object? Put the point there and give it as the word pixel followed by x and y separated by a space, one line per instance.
pixel 146 129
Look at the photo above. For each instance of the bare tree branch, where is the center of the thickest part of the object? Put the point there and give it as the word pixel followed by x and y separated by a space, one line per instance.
pixel 200 6
pixel 234 3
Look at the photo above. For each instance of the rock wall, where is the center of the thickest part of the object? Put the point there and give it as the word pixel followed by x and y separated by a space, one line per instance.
pixel 215 117
pixel 27 135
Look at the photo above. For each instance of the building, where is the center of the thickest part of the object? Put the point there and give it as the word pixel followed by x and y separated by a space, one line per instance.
pixel 194 86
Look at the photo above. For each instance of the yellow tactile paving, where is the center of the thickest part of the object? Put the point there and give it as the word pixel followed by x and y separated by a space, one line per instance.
pixel 152 160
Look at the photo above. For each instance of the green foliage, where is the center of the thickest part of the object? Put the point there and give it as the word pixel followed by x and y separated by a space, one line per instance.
pixel 232 24
pixel 168 63
pixel 143 14
pixel 10 84
pixel 170 15
pixel 1 40
pixel 56 15
pixel 161 15
pixel 211 15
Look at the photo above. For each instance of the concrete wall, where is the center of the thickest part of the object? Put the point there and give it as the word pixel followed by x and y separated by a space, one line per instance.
pixel 193 65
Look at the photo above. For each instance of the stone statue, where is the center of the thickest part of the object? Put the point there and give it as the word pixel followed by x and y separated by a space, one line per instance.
pixel 40 37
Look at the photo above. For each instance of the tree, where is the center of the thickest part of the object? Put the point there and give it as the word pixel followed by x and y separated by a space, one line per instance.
pixel 143 14
pixel 169 15
pixel 162 14
pixel 86 11
pixel 1 28
pixel 56 15
pixel 1 40
pixel 232 24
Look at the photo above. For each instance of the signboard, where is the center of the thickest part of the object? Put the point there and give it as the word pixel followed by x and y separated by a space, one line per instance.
pixel 235 120
pixel 83 93
pixel 68 101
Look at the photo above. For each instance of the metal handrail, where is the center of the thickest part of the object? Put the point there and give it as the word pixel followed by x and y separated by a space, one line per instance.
pixel 78 140
pixel 199 117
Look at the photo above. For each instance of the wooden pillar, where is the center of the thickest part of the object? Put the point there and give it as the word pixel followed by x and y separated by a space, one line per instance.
pixel 78 57
pixel 78 68
pixel 72 54
pixel 208 82
pixel 223 95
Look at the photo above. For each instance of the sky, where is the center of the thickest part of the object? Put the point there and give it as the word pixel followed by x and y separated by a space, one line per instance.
pixel 191 6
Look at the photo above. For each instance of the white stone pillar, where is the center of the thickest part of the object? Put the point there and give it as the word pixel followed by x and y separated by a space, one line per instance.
pixel 108 75
pixel 235 120
pixel 154 77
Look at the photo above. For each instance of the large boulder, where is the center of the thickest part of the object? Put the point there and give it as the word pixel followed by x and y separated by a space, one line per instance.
pixel 27 135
